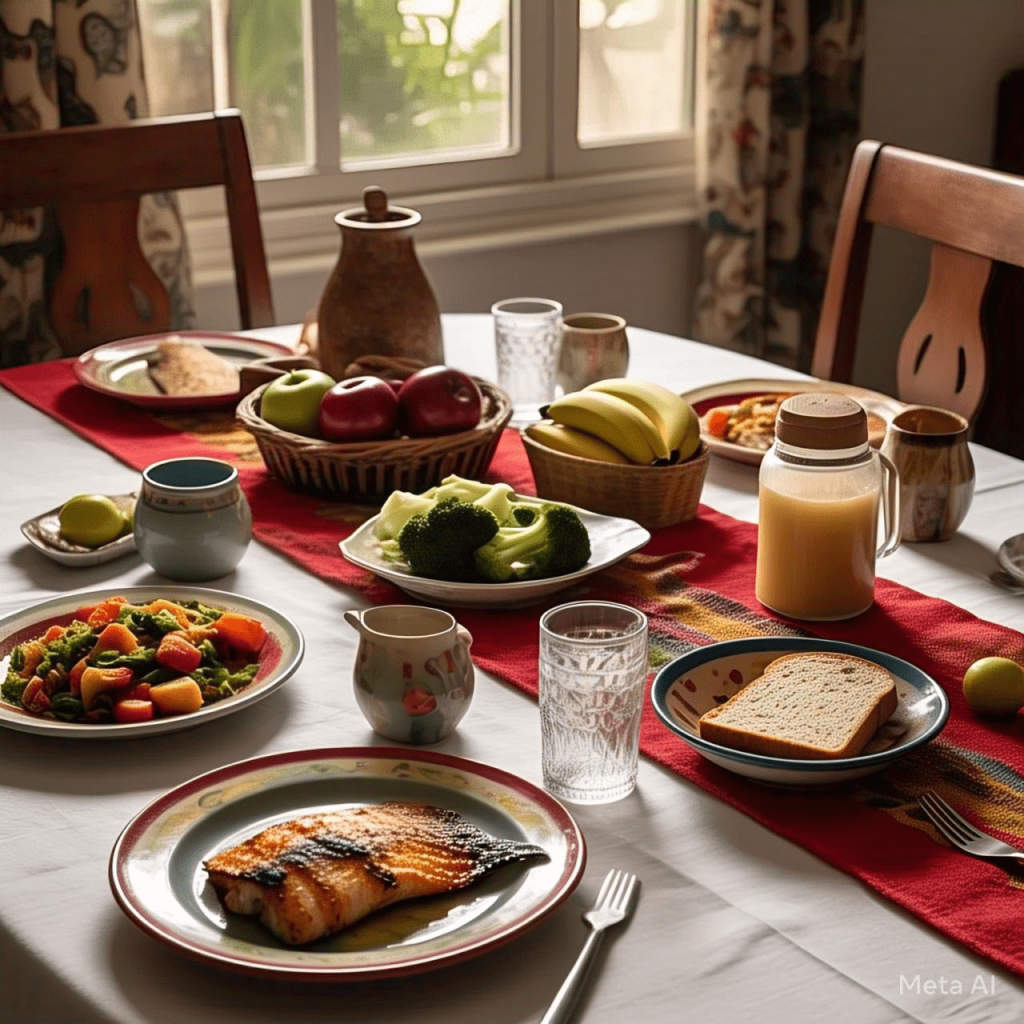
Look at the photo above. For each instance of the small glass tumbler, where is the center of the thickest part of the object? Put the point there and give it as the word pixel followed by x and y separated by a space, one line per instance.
pixel 593 667
pixel 527 337
pixel 192 521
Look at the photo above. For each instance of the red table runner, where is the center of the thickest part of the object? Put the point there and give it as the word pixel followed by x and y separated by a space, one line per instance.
pixel 695 582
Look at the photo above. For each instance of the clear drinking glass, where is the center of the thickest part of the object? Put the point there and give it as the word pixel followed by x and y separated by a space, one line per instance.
pixel 593 667
pixel 527 338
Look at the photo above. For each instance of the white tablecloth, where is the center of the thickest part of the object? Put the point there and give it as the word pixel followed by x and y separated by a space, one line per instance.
pixel 733 924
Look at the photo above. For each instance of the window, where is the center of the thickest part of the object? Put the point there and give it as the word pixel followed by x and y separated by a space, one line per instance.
pixel 502 115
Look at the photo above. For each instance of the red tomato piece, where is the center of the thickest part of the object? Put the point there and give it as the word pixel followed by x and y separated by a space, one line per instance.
pixel 126 711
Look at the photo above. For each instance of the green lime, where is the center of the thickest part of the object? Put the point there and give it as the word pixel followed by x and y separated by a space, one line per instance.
pixel 995 686
pixel 90 520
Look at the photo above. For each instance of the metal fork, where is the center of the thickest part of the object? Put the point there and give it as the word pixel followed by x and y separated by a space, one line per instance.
pixel 614 903
pixel 961 833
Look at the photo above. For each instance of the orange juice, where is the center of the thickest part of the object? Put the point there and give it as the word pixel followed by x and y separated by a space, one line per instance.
pixel 816 551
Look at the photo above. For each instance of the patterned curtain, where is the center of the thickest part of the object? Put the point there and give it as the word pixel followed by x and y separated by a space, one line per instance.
pixel 72 62
pixel 783 115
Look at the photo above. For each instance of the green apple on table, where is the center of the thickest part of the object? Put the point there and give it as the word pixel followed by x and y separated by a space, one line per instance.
pixel 91 520
pixel 292 401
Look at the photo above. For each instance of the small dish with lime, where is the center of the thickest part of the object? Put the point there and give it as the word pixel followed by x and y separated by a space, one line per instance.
pixel 44 531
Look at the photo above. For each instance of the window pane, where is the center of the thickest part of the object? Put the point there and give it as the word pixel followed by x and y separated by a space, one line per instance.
pixel 268 78
pixel 261 41
pixel 632 70
pixel 176 50
pixel 421 78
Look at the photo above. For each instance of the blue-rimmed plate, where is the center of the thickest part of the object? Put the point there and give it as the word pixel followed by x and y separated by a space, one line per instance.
pixel 698 681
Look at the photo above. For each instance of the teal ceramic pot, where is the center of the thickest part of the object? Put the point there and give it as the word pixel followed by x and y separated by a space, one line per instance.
pixel 413 676
pixel 192 521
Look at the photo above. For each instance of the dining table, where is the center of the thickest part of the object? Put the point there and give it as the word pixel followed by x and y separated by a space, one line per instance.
pixel 733 923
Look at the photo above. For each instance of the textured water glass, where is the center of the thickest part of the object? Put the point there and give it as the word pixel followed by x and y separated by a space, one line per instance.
pixel 593 667
pixel 527 338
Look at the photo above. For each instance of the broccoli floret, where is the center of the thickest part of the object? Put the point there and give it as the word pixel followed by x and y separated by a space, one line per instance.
pixel 209 653
pixel 13 687
pixel 218 683
pixel 204 613
pixel 457 487
pixel 555 543
pixel 397 511
pixel 524 515
pixel 139 621
pixel 498 500
pixel 76 641
pixel 441 543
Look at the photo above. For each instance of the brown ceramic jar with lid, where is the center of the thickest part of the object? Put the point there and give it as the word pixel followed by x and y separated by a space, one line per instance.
pixel 378 300
pixel 819 491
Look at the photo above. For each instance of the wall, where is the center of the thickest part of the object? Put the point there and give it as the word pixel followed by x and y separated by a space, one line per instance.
pixel 930 77
pixel 644 275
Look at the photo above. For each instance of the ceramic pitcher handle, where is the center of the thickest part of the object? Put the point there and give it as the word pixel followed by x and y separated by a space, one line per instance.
pixel 465 637
pixel 890 508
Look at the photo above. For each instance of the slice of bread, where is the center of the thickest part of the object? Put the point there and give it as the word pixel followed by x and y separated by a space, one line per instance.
pixel 815 706
pixel 182 367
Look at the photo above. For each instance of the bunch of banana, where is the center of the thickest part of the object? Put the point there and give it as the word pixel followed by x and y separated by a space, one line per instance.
pixel 621 420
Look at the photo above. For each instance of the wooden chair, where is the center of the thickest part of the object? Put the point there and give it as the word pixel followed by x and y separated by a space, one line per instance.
pixel 973 217
pixel 93 176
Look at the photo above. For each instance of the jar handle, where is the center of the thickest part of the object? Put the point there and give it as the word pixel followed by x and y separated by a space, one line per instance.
pixel 890 508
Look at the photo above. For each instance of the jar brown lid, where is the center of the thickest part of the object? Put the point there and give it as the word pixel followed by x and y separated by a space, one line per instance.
pixel 822 421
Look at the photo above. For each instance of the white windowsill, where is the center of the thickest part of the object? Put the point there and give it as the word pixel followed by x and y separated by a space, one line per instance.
pixel 302 238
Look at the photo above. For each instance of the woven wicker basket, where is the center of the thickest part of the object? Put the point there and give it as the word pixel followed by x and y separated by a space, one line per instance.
pixel 653 496
pixel 372 469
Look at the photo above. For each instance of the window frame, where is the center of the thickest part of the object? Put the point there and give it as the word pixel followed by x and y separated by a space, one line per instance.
pixel 547 188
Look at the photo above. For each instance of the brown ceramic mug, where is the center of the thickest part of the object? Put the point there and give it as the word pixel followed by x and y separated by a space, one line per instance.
pixel 928 447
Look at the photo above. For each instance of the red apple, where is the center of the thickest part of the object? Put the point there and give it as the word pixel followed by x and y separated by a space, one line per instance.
pixel 359 409
pixel 438 400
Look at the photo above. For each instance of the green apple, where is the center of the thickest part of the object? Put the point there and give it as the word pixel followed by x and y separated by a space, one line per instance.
pixel 995 686
pixel 292 401
pixel 90 520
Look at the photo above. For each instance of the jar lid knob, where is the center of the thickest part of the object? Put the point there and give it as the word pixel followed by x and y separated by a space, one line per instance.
pixel 375 199
pixel 822 421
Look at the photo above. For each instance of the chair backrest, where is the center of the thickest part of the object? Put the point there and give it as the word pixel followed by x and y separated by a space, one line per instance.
pixel 973 217
pixel 93 176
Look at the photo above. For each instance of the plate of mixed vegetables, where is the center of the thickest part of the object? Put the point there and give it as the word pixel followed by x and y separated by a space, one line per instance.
pixel 141 660
pixel 472 544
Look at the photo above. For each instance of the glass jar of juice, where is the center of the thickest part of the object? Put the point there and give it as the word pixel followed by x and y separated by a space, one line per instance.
pixel 819 490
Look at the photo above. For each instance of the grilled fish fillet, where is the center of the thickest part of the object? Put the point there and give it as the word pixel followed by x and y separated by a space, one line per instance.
pixel 313 876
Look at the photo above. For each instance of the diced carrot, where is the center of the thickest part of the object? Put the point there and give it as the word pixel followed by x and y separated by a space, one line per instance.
pixel 163 605
pixel 115 637
pixel 716 422
pixel 176 653
pixel 53 633
pixel 96 680
pixel 241 632
pixel 178 697
pixel 106 611
pixel 75 676
pixel 34 653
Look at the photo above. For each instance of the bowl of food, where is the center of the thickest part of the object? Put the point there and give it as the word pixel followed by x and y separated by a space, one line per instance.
pixel 621 447
pixel 310 430
pixel 798 710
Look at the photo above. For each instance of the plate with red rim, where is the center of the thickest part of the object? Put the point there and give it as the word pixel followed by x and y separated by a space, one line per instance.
pixel 279 657
pixel 157 877
pixel 732 392
pixel 120 369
